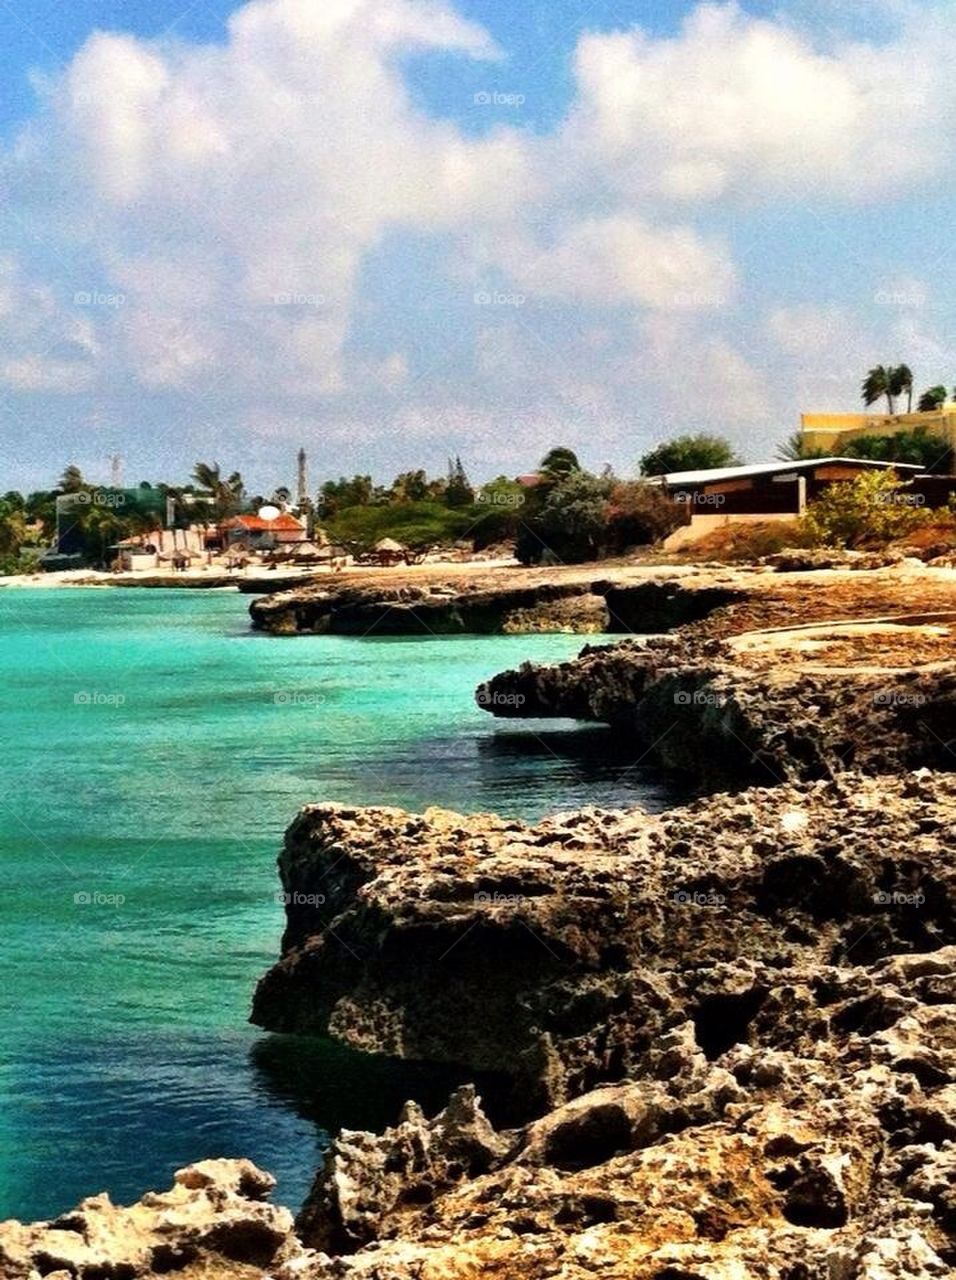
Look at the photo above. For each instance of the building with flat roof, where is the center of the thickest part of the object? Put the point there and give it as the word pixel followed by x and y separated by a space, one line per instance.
pixel 718 496
pixel 831 432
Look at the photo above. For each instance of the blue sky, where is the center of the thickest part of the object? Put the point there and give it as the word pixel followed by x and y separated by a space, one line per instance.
pixel 394 230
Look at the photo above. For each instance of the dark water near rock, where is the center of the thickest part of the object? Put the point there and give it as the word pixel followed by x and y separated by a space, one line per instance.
pixel 155 751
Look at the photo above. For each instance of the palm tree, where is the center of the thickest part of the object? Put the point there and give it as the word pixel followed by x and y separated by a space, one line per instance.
pixel 878 383
pixel 890 381
pixel 901 379
pixel 226 495
pixel 932 399
pixel 72 480
pixel 796 449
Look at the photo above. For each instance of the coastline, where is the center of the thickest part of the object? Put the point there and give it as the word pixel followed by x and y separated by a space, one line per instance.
pixel 217 577
pixel 728 1026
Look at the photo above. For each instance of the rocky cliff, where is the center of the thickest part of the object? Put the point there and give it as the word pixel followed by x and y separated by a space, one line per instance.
pixel 802 702
pixel 508 601
pixel 731 1028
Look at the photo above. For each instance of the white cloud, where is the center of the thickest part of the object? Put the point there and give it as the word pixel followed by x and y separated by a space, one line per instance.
pixel 214 183
pixel 750 108
pixel 235 194
pixel 621 260
pixel 704 379
pixel 807 330
pixel 47 345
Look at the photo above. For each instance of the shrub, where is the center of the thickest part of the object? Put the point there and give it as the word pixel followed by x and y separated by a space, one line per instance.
pixel 25 562
pixel 639 514
pixel 567 522
pixel 871 510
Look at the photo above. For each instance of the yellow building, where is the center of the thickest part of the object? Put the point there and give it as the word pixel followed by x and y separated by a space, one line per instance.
pixel 830 432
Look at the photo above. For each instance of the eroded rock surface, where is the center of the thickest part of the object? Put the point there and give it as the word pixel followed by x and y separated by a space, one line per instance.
pixel 731 1027
pixel 509 601
pixel 735 1025
pixel 563 952
pixel 800 703
pixel 215 1223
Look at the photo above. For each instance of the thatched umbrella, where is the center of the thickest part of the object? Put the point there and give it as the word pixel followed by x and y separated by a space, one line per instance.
pixel 308 551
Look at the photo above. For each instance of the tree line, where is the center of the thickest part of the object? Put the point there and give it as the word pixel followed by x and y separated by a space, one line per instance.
pixel 559 512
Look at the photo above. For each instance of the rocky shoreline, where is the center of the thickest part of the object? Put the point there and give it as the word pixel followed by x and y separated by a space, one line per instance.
pixel 622 599
pixel 730 1028
pixel 501 602
pixel 801 703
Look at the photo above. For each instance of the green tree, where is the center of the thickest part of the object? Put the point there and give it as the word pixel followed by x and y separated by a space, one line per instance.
pixel 688 453
pixel 932 398
pixel 890 381
pixel 227 494
pixel 41 506
pixel 570 523
pixel 337 495
pixel 458 491
pixel 410 486
pixel 418 525
pixel 901 382
pixel 72 480
pixel 499 507
pixel 13 528
pixel 557 462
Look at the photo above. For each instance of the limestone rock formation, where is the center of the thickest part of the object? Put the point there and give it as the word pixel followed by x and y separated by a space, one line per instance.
pixel 731 1028
pixel 562 953
pixel 830 1158
pixel 805 702
pixel 515 601
pixel 215 1223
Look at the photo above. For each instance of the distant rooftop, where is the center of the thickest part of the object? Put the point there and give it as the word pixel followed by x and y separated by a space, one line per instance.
pixel 256 522
pixel 712 475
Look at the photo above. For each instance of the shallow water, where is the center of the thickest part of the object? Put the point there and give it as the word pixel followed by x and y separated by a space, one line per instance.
pixel 155 751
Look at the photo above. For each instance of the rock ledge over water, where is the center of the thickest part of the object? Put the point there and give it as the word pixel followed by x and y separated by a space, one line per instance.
pixel 731 1031
pixel 732 1028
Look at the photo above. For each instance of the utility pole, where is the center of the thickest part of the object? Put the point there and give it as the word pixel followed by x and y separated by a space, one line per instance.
pixel 116 471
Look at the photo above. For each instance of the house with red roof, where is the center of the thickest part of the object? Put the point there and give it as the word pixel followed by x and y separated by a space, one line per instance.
pixel 254 533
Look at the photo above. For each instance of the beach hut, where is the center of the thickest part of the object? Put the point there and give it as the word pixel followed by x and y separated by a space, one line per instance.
pixel 126 556
pixel 179 559
pixel 309 553
pixel 388 552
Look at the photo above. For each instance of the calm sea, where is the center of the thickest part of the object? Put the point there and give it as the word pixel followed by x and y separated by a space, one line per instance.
pixel 154 751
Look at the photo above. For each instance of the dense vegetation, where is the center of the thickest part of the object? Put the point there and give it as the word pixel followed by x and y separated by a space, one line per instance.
pixel 688 453
pixel 561 513
pixel 872 510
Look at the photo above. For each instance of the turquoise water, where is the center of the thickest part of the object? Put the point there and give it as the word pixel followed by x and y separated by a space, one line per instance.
pixel 156 749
